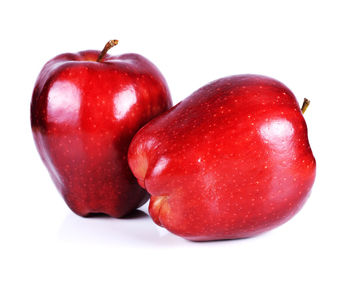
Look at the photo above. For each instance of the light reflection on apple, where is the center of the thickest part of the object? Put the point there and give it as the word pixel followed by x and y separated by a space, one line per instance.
pixel 278 133
pixel 63 102
pixel 123 101
pixel 161 164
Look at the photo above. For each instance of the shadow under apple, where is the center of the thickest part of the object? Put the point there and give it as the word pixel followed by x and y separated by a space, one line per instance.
pixel 135 229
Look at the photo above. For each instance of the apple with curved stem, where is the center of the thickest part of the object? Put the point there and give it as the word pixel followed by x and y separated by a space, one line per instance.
pixel 85 109
pixel 230 161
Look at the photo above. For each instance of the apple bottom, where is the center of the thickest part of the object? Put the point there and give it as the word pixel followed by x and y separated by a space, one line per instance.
pixel 91 183
pixel 118 204
pixel 92 174
pixel 194 224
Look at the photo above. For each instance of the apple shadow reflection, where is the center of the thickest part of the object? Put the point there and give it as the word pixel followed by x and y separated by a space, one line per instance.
pixel 135 229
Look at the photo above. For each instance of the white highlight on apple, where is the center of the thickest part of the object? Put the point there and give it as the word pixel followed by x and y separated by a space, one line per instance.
pixel 279 133
pixel 123 102
pixel 161 164
pixel 63 102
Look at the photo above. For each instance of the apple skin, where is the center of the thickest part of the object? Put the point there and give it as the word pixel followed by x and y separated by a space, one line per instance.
pixel 84 114
pixel 231 161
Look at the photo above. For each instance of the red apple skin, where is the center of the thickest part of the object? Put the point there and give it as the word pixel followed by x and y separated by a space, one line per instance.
pixel 84 114
pixel 231 161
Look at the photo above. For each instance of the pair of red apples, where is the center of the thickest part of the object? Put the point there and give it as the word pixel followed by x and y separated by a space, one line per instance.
pixel 230 161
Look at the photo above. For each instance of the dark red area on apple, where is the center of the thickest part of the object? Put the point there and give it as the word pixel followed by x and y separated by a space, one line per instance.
pixel 84 114
pixel 231 161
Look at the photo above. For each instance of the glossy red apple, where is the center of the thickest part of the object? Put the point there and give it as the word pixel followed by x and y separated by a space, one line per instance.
pixel 85 109
pixel 230 161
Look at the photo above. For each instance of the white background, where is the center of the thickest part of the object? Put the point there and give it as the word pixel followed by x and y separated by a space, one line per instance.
pixel 305 44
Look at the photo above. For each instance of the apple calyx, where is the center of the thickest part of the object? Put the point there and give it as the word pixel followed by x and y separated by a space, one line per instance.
pixel 158 207
pixel 107 47
pixel 306 104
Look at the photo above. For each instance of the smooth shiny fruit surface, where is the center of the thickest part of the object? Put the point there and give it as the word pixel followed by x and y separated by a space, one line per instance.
pixel 231 161
pixel 84 114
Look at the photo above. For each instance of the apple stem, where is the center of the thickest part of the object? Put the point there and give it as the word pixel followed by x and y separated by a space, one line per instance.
pixel 306 104
pixel 107 47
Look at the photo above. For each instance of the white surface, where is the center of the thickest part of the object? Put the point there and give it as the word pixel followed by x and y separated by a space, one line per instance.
pixel 304 44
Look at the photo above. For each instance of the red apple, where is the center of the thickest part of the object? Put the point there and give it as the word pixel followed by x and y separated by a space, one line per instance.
pixel 85 109
pixel 231 161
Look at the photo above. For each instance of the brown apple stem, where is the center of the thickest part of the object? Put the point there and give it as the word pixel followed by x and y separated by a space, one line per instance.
pixel 107 47
pixel 306 104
